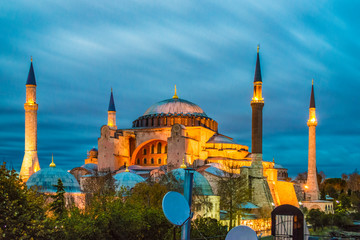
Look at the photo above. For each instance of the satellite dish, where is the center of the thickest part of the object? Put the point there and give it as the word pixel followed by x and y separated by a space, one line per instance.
pixel 241 232
pixel 176 208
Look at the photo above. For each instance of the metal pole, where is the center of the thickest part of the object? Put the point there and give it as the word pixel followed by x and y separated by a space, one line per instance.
pixel 188 185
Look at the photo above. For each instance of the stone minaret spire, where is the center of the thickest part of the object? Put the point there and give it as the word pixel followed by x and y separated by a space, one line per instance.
pixel 312 192
pixel 257 104
pixel 30 162
pixel 112 112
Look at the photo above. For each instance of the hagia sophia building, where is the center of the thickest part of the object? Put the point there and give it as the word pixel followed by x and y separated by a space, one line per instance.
pixel 171 135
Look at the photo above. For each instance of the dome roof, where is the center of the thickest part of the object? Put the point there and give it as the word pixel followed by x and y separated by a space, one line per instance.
pixel 201 184
pixel 90 166
pixel 127 180
pixel 175 106
pixel 46 178
pixel 218 138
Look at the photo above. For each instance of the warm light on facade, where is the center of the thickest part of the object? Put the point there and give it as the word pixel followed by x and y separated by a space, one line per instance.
pixel 257 93
pixel 312 117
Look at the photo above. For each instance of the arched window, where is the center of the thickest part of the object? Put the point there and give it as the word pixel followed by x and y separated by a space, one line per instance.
pixel 144 160
pixel 159 161
pixel 144 151
pixel 138 161
pixel 152 161
pixel 159 148
pixel 152 149
pixel 166 149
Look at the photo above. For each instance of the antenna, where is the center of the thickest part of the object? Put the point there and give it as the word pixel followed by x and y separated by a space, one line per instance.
pixel 241 232
pixel 176 208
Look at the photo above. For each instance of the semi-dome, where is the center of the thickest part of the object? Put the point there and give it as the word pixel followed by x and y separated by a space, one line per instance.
pixel 219 138
pixel 93 167
pixel 175 106
pixel 201 184
pixel 46 179
pixel 127 180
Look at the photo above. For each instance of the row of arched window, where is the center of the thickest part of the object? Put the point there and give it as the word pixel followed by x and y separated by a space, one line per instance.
pixel 158 149
pixel 152 161
pixel 282 174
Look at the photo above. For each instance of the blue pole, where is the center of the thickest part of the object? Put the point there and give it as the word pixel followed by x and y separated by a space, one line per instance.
pixel 188 185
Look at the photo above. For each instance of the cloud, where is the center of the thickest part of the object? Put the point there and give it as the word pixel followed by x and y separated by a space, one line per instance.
pixel 141 49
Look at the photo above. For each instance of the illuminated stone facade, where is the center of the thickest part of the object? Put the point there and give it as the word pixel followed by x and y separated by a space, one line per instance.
pixel 176 130
pixel 30 162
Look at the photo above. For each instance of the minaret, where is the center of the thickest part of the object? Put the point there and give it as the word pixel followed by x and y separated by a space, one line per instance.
pixel 257 104
pixel 30 162
pixel 112 112
pixel 312 192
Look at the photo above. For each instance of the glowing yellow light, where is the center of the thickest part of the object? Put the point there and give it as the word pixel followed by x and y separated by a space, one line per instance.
pixel 306 186
pixel 183 165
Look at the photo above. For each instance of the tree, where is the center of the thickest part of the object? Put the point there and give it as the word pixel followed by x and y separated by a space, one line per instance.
pixel 232 191
pixel 334 187
pixel 22 210
pixel 207 227
pixel 148 194
pixel 354 181
pixel 315 217
pixel 301 177
pixel 58 204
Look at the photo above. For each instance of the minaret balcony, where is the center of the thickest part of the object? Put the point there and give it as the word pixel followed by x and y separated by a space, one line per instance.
pixel 31 106
pixel 256 100
pixel 312 122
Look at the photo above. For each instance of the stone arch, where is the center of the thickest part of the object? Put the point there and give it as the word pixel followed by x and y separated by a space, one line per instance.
pixel 315 207
pixel 138 152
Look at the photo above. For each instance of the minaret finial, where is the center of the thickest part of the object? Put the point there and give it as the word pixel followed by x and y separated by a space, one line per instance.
pixel 111 89
pixel 273 159
pixel 127 169
pixel 52 164
pixel 258 48
pixel 312 82
pixel 183 165
pixel 31 58
pixel 175 94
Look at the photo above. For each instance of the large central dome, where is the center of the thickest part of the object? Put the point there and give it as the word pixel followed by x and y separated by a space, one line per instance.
pixel 174 111
pixel 175 106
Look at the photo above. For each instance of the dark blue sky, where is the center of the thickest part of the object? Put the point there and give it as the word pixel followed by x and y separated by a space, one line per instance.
pixel 208 48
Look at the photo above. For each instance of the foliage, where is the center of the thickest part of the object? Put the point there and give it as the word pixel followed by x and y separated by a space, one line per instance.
pixel 148 194
pixel 207 227
pixel 232 191
pixel 58 204
pixel 333 187
pixel 319 219
pixel 343 204
pixel 24 215
pixel 314 218
pixel 116 218
pixel 22 211
pixel 353 181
